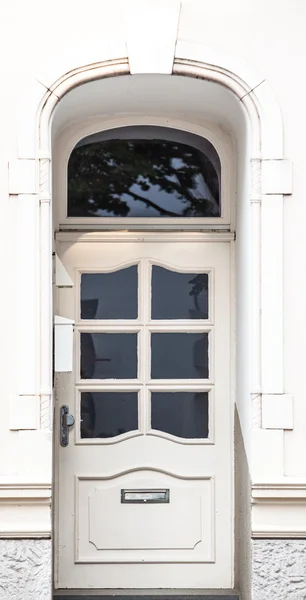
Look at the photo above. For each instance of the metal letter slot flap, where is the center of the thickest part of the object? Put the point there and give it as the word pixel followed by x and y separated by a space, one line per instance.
pixel 145 496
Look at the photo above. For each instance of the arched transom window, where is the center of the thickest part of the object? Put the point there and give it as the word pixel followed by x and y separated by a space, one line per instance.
pixel 144 172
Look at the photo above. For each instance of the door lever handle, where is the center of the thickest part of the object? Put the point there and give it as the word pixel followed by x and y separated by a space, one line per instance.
pixel 66 421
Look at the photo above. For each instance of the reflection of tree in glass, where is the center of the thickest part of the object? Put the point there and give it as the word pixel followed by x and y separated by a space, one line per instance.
pixel 102 175
pixel 199 285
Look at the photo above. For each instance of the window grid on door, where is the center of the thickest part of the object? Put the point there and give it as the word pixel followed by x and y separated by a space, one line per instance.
pixel 144 385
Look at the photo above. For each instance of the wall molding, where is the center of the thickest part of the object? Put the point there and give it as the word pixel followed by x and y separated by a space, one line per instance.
pixel 282 490
pixel 277 177
pixel 252 90
pixel 21 489
pixel 279 509
pixel 25 510
pixel 25 534
pixel 277 411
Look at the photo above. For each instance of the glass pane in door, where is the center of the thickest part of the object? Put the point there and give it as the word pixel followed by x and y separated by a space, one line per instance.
pixel 183 414
pixel 145 175
pixel 108 355
pixel 110 295
pixel 179 295
pixel 179 355
pixel 108 414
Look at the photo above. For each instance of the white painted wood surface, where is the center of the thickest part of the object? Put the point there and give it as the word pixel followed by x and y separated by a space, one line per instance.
pixel 192 546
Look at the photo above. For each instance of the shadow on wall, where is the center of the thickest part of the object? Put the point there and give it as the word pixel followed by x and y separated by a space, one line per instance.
pixel 243 542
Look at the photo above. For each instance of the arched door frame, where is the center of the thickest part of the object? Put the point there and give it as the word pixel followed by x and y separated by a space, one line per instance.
pixel 268 183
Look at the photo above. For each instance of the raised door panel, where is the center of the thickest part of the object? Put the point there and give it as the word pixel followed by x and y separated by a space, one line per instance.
pixel 181 529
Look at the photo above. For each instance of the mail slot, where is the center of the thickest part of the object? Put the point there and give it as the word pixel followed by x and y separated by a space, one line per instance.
pixel 145 496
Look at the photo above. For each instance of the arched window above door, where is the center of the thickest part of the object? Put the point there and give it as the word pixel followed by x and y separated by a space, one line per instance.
pixel 144 172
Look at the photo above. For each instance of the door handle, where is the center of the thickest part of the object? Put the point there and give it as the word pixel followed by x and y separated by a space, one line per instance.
pixel 66 421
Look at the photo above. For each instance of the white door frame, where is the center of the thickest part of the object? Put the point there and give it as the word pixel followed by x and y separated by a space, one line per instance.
pixel 265 194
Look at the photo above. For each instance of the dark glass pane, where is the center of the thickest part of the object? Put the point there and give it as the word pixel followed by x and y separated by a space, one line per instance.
pixel 108 355
pixel 179 355
pixel 179 295
pixel 184 414
pixel 142 178
pixel 107 414
pixel 109 295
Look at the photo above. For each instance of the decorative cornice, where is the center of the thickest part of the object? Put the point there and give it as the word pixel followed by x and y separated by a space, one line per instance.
pixel 279 509
pixel 25 492
pixel 24 534
pixel 282 533
pixel 284 491
pixel 25 510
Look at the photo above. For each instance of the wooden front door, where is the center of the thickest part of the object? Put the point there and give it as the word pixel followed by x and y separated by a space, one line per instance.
pixel 145 485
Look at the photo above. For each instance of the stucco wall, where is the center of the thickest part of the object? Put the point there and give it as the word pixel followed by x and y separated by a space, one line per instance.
pixel 25 569
pixel 279 569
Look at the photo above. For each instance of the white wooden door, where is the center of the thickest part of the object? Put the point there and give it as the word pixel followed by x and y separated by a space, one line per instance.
pixel 145 484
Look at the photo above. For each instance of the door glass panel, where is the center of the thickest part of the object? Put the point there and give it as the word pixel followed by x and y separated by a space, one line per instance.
pixel 108 355
pixel 179 295
pixel 184 414
pixel 179 355
pixel 108 414
pixel 109 295
pixel 145 176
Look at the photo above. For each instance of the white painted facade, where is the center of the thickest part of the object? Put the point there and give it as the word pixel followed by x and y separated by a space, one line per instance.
pixel 233 71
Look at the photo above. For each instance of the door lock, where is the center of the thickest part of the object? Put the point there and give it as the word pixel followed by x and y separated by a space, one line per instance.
pixel 66 421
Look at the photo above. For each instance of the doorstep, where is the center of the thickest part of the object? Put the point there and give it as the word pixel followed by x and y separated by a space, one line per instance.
pixel 145 595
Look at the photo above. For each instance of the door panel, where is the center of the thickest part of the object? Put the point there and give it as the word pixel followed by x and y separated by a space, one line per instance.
pixel 144 487
pixel 119 532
